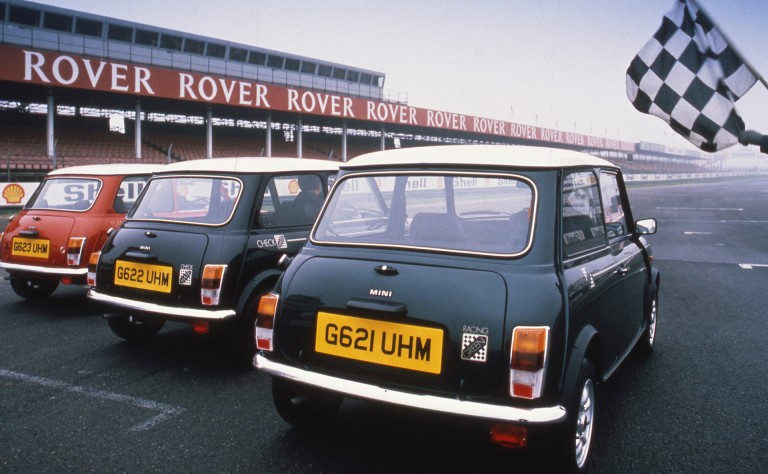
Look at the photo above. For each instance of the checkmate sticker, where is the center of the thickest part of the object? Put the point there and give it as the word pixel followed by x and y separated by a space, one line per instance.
pixel 474 347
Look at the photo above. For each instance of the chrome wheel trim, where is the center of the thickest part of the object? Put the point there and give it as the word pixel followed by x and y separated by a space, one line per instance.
pixel 652 322
pixel 584 419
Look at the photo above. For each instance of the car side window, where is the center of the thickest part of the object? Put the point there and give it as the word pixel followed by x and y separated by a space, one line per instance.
pixel 615 220
pixel 582 224
pixel 292 200
pixel 129 190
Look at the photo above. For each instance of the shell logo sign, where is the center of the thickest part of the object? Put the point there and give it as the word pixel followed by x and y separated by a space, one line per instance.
pixel 13 193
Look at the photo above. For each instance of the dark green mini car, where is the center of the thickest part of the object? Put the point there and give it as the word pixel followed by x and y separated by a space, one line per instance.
pixel 203 243
pixel 494 282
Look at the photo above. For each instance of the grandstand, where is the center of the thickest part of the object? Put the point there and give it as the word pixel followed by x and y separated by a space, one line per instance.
pixel 73 85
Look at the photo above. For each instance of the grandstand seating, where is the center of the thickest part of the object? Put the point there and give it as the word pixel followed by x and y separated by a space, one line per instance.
pixel 85 140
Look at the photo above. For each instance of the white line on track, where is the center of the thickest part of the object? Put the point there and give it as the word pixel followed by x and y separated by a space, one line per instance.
pixel 733 209
pixel 750 266
pixel 690 232
pixel 166 411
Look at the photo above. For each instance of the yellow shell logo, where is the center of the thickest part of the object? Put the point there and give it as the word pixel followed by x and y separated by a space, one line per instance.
pixel 293 186
pixel 13 194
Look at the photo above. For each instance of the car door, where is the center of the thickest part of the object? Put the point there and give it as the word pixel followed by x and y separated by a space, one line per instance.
pixel 588 264
pixel 631 269
pixel 282 221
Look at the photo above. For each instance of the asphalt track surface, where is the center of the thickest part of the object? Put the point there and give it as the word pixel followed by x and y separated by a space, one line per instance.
pixel 75 398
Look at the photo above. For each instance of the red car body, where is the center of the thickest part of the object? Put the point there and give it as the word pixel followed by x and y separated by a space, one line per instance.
pixel 67 218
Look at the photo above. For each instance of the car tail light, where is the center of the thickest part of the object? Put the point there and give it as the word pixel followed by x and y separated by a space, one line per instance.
pixel 210 288
pixel 509 435
pixel 528 359
pixel 75 250
pixel 93 262
pixel 265 321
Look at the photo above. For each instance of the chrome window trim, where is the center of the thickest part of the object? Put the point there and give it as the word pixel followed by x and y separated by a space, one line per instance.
pixel 177 221
pixel 433 172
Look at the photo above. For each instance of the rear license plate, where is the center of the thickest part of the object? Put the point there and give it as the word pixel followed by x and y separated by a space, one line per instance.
pixel 143 276
pixel 38 248
pixel 380 342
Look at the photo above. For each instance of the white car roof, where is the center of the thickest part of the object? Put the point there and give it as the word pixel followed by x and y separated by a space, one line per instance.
pixel 254 164
pixel 512 156
pixel 107 169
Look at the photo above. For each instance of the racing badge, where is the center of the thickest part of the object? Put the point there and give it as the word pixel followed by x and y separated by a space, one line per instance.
pixel 474 347
pixel 185 275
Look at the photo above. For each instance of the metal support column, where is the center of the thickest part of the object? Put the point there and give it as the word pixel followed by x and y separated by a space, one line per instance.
pixel 299 140
pixel 383 142
pixel 269 135
pixel 209 133
pixel 50 143
pixel 344 142
pixel 137 130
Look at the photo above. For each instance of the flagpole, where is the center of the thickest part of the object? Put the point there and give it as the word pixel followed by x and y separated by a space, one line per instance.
pixel 731 44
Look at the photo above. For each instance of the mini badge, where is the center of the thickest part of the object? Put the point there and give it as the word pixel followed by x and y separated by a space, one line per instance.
pixel 474 347
pixel 281 242
pixel 185 275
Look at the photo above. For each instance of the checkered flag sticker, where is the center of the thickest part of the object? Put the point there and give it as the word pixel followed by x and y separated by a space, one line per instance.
pixel 474 347
pixel 185 275
pixel 689 76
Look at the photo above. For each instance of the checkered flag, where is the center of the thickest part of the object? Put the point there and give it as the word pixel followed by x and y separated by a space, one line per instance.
pixel 689 76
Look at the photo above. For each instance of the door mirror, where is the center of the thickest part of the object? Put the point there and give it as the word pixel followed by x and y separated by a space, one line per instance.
pixel 645 227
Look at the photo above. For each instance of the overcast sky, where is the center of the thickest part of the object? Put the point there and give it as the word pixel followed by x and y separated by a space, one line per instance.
pixel 553 63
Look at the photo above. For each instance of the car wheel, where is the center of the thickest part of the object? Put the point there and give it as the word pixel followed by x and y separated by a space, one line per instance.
pixel 649 336
pixel 134 328
pixel 577 439
pixel 33 288
pixel 302 405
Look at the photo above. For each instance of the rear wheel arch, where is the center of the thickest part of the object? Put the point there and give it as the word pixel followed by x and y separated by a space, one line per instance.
pixel 587 346
pixel 262 282
pixel 243 326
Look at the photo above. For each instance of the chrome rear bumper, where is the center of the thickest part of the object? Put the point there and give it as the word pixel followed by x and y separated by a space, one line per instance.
pixel 454 406
pixel 174 311
pixel 37 269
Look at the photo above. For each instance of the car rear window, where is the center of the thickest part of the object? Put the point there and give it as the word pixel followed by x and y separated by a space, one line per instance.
pixel 454 212
pixel 204 200
pixel 66 194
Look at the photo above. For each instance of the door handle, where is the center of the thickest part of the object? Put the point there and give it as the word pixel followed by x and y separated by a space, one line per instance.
pixel 623 270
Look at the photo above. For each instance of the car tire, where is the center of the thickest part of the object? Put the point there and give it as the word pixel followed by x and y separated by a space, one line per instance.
pixel 133 328
pixel 302 405
pixel 646 343
pixel 576 440
pixel 33 288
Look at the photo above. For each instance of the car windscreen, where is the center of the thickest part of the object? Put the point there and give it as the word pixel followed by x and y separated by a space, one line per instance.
pixel 454 212
pixel 204 200
pixel 66 194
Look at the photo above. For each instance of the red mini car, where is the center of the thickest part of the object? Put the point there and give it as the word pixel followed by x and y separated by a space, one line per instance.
pixel 69 216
